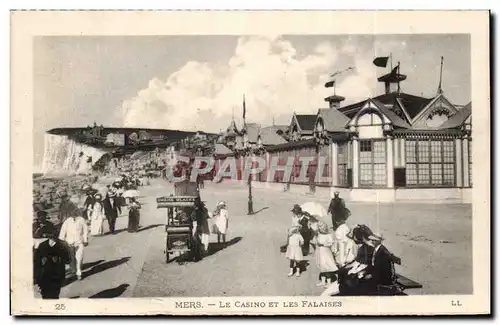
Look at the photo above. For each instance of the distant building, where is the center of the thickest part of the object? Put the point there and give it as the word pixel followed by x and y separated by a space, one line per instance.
pixel 116 139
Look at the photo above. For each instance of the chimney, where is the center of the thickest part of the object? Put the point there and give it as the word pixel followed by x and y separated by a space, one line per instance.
pixel 334 101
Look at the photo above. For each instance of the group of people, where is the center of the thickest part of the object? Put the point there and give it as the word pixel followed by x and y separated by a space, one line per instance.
pixel 350 261
pixel 65 246
pixel 201 230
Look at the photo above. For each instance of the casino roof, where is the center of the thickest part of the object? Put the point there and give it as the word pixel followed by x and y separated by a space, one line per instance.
pixel 306 121
pixel 334 121
pixel 459 118
pixel 412 104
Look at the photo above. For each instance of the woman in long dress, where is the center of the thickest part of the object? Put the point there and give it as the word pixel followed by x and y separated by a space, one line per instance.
pixel 201 230
pixel 221 221
pixel 344 249
pixel 133 215
pixel 97 216
pixel 324 256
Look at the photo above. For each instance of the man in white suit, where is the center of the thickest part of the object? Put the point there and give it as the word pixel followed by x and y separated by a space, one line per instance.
pixel 74 232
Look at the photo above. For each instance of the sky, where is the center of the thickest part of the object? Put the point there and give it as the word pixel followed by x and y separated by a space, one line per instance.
pixel 198 82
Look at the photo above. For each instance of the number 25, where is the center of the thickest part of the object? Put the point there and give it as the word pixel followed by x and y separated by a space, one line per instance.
pixel 60 306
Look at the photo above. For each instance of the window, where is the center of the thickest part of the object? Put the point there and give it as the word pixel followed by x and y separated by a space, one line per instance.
pixel 430 162
pixel 342 159
pixel 372 168
pixel 325 156
pixel 470 162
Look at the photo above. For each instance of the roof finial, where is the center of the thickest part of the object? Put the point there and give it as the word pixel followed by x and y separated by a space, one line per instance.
pixel 440 90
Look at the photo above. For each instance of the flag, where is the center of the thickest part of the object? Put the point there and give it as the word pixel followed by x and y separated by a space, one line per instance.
pixel 381 61
pixel 330 84
pixel 341 71
pixel 395 71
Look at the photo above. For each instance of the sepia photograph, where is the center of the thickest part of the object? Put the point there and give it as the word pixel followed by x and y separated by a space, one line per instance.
pixel 244 167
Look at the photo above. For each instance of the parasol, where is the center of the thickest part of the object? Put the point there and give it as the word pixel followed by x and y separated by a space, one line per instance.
pixel 314 209
pixel 131 193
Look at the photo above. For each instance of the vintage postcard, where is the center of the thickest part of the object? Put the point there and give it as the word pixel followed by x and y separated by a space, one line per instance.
pixel 250 163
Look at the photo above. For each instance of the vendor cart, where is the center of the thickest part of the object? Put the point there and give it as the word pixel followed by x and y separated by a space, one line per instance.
pixel 178 225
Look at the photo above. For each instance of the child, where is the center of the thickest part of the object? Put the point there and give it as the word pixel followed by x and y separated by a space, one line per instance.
pixel 294 250
pixel 221 221
pixel 324 256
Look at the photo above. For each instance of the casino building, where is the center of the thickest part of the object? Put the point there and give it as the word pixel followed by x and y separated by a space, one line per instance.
pixel 392 147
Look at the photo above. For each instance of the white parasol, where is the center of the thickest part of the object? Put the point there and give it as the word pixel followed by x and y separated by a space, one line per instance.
pixel 314 209
pixel 131 193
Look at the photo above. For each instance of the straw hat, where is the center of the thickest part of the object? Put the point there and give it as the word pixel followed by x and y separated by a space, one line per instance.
pixel 360 233
pixel 221 204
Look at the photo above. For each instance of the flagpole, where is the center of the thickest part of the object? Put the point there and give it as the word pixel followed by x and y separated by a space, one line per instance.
pixel 397 76
pixel 244 112
pixel 440 90
pixel 390 57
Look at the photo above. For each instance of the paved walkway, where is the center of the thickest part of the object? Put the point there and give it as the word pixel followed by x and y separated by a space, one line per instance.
pixel 434 242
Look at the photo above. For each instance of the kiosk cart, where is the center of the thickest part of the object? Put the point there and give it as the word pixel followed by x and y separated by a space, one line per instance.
pixel 178 226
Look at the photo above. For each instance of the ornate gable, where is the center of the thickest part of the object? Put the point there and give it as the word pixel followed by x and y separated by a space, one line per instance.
pixel 369 114
pixel 437 112
pixel 294 129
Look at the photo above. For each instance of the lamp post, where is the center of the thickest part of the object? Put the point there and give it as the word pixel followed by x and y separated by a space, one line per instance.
pixel 320 139
pixel 246 150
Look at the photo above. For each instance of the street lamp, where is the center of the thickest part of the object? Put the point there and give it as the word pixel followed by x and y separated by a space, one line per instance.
pixel 246 149
pixel 320 139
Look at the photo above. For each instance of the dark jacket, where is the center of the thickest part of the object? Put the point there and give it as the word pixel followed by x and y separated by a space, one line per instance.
pixel 365 254
pixel 382 269
pixel 50 263
pixel 338 211
pixel 89 202
pixel 111 210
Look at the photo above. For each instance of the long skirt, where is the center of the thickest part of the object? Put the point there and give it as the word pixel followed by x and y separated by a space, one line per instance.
pixel 96 226
pixel 294 253
pixel 133 220
pixel 324 260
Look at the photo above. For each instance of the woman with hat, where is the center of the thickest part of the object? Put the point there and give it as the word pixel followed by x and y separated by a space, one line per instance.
pixel 338 211
pixel 89 202
pixel 324 256
pixel 221 220
pixel 201 230
pixel 302 220
pixel 111 209
pixel 97 216
pixel 373 271
pixel 133 215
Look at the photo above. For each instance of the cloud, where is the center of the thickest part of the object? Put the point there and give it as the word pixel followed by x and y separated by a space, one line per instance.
pixel 275 80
